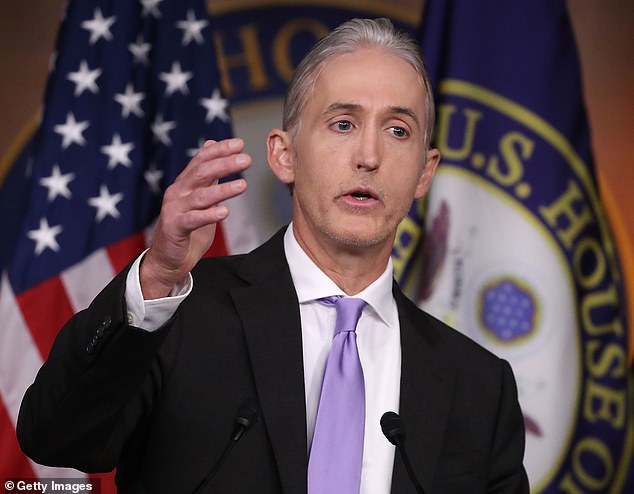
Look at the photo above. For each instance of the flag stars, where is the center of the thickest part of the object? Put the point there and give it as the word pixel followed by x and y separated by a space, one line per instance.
pixel 118 152
pixel 140 51
pixel 45 237
pixel 57 184
pixel 72 131
pixel 106 204
pixel 150 7
pixel 161 130
pixel 192 28
pixel 176 79
pixel 153 178
pixel 99 27
pixel 85 79
pixel 130 102
pixel 216 107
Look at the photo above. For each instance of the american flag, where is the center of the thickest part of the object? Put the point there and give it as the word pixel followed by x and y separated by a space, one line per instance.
pixel 133 92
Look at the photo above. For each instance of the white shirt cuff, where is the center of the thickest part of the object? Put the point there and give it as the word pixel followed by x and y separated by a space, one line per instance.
pixel 152 314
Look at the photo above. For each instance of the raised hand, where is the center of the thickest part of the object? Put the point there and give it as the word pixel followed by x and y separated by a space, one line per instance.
pixel 191 207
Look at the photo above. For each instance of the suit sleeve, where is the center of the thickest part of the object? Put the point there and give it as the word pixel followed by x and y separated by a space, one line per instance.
pixel 100 380
pixel 507 474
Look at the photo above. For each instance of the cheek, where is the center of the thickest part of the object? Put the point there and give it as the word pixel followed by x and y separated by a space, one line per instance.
pixel 321 165
pixel 312 180
pixel 404 189
pixel 405 172
pixel 309 174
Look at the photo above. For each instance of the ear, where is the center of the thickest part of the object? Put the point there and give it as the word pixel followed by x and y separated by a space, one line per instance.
pixel 433 158
pixel 280 155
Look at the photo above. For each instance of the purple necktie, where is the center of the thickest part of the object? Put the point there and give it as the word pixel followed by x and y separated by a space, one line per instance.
pixel 336 454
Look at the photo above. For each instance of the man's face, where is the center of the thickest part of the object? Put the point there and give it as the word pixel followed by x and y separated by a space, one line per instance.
pixel 358 158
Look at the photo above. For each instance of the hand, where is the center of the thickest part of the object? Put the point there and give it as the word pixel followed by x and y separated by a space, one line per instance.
pixel 189 213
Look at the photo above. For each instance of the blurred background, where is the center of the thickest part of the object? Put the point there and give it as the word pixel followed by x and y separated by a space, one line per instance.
pixel 605 37
pixel 604 32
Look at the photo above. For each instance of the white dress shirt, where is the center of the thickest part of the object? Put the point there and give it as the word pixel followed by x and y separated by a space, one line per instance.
pixel 378 340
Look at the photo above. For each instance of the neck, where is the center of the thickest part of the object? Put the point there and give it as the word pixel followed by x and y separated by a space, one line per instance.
pixel 352 268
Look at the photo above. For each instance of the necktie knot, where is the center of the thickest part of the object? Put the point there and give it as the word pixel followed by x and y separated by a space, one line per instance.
pixel 348 312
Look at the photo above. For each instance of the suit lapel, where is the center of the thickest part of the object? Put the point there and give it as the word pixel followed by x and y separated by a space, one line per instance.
pixel 426 390
pixel 269 312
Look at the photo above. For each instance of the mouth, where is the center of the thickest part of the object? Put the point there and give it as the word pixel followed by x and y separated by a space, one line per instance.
pixel 361 195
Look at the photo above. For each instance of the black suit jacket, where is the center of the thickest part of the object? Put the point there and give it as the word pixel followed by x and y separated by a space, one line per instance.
pixel 160 406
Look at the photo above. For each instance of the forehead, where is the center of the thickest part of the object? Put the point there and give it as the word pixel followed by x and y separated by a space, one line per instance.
pixel 369 77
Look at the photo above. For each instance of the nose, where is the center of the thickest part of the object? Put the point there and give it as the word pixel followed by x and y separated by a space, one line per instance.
pixel 369 149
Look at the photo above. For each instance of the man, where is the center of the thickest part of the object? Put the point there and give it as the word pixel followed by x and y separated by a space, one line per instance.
pixel 148 379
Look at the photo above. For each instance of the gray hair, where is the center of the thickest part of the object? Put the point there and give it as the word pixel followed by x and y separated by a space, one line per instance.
pixel 348 37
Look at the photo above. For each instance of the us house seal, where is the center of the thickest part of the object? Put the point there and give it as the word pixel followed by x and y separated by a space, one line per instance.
pixel 517 254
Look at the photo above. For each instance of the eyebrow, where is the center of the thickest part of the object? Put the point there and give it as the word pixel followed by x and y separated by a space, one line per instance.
pixel 403 110
pixel 355 108
pixel 337 107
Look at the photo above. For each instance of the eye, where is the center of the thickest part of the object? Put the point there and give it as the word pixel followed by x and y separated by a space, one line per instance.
pixel 399 132
pixel 343 125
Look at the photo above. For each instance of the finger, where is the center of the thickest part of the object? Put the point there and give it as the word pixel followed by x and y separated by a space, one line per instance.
pixel 203 177
pixel 206 197
pixel 202 172
pixel 196 219
pixel 218 149
pixel 177 223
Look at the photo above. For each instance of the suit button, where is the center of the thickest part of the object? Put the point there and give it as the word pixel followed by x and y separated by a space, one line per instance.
pixel 90 349
pixel 105 324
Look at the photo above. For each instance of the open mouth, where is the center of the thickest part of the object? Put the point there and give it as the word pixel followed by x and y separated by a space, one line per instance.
pixel 362 196
pixel 362 193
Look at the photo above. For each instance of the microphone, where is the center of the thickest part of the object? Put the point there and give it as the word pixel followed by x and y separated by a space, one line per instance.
pixel 246 416
pixel 393 429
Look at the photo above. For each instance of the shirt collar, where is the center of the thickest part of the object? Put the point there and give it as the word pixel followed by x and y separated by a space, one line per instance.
pixel 311 283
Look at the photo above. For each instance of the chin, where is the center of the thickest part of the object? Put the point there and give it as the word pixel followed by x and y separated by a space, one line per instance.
pixel 357 240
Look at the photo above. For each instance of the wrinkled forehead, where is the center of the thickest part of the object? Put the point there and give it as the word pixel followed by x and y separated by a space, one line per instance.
pixel 374 77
